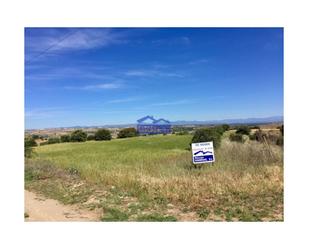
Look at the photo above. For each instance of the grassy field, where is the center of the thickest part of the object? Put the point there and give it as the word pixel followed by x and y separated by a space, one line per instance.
pixel 152 179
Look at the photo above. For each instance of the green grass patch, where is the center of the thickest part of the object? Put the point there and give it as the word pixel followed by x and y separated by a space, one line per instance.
pixel 245 183
pixel 113 214
pixel 203 213
pixel 155 217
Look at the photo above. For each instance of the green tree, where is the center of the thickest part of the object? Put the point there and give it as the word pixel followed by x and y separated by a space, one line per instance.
pixel 127 132
pixel 219 129
pixel 30 142
pixel 236 137
pixel 90 137
pixel 35 136
pixel 65 138
pixel 53 140
pixel 78 136
pixel 226 127
pixel 244 130
pixel 207 135
pixel 102 134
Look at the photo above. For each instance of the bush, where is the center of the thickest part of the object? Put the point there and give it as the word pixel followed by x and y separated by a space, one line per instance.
pixel 78 136
pixel 207 135
pixel 226 127
pixel 253 137
pixel 219 129
pixel 236 137
pixel 65 138
pixel 280 141
pixel 30 142
pixel 281 129
pixel 53 140
pixel 127 132
pixel 28 152
pixel 90 137
pixel 102 134
pixel 182 133
pixel 244 130
pixel 35 136
pixel 177 129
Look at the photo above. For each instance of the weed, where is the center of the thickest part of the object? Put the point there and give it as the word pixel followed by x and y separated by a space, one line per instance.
pixel 203 213
pixel 113 214
pixel 156 217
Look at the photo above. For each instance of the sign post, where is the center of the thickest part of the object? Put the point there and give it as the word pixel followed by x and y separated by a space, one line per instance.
pixel 203 152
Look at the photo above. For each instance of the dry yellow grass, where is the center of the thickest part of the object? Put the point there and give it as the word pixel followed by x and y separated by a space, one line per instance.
pixel 245 183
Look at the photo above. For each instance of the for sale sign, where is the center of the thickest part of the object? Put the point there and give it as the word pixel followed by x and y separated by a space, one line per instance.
pixel 203 152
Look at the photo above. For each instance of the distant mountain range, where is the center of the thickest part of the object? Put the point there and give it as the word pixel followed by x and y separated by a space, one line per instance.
pixel 273 119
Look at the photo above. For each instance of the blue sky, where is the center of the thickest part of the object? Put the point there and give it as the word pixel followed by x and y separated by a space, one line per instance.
pixel 99 76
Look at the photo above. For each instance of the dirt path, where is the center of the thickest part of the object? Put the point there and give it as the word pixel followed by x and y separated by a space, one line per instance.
pixel 42 209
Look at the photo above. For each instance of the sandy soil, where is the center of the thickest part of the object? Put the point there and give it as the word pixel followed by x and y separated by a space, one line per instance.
pixel 42 209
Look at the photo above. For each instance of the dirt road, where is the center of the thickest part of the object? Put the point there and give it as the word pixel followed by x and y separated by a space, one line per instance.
pixel 42 209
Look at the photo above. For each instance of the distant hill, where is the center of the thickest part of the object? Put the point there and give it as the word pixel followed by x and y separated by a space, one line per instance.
pixel 267 120
pixel 273 119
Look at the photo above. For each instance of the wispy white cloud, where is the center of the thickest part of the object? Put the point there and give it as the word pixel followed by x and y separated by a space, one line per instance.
pixel 78 72
pixel 139 73
pixel 178 102
pixel 152 73
pixel 61 40
pixel 104 86
pixel 124 100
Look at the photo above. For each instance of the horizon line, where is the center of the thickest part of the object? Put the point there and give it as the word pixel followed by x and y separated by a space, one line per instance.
pixel 213 120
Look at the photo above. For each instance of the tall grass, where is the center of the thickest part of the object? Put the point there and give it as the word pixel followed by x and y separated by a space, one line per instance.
pixel 248 176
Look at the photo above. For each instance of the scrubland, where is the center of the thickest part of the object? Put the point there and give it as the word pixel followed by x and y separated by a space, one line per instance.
pixel 152 178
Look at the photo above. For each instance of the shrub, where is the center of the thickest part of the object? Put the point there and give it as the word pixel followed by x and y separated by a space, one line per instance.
pixel 90 137
pixel 102 134
pixel 65 138
pixel 226 127
pixel 218 129
pixel 53 140
pixel 236 137
pixel 28 151
pixel 78 136
pixel 252 137
pixel 30 142
pixel 182 133
pixel 258 136
pixel 280 141
pixel 35 136
pixel 127 132
pixel 206 135
pixel 281 129
pixel 156 217
pixel 244 130
pixel 272 137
